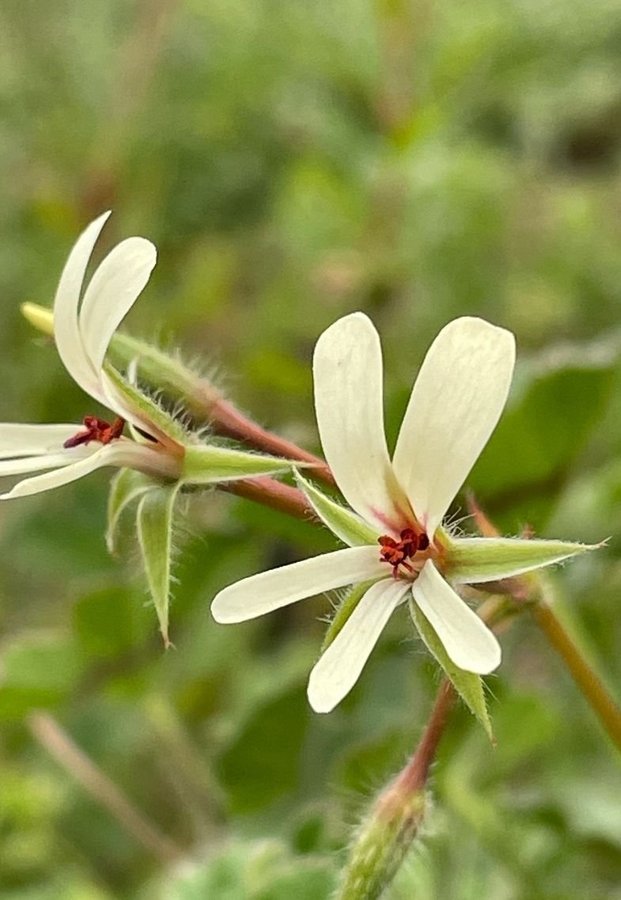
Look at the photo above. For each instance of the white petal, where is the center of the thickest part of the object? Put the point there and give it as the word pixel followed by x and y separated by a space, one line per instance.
pixel 45 461
pixel 31 440
pixel 66 329
pixel 341 664
pixel 122 453
pixel 259 594
pixel 456 402
pixel 69 471
pixel 112 291
pixel 467 640
pixel 347 369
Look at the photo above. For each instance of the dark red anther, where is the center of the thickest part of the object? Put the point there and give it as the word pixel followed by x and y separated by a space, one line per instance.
pixel 96 429
pixel 395 553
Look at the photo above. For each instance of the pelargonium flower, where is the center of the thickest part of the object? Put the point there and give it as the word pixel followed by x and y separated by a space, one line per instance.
pixel 398 547
pixel 84 324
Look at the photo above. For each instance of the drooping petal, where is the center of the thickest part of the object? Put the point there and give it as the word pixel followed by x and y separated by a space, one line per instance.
pixel 477 560
pixel 112 291
pixel 45 461
pixel 347 370
pixel 467 640
pixel 120 453
pixel 456 402
pixel 32 440
pixel 259 594
pixel 68 471
pixel 342 662
pixel 66 328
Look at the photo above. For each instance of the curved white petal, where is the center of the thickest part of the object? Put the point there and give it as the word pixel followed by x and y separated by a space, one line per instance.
pixel 466 638
pixel 79 461
pixel 340 665
pixel 456 402
pixel 45 461
pixel 68 471
pixel 112 291
pixel 31 440
pixel 66 329
pixel 347 370
pixel 259 594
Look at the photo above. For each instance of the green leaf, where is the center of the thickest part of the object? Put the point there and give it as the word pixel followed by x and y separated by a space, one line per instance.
pixel 126 486
pixel 39 670
pixel 208 464
pixel 257 772
pixel 107 624
pixel 154 526
pixel 480 559
pixel 344 523
pixel 468 685
pixel 544 428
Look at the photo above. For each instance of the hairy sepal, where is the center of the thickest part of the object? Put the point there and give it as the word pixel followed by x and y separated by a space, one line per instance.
pixel 477 560
pixel 209 464
pixel 145 409
pixel 345 524
pixel 468 685
pixel 154 525
pixel 127 486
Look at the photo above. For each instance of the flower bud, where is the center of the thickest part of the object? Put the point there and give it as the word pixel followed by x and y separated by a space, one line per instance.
pixel 384 839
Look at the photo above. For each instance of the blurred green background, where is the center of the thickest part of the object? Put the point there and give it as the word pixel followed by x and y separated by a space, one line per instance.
pixel 294 161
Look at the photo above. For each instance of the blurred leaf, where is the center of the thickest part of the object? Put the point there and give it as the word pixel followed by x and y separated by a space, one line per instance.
pixel 262 765
pixel 37 670
pixel 542 432
pixel 106 624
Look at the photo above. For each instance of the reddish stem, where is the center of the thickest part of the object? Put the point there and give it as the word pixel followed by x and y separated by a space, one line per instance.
pixel 414 776
pixel 228 421
pixel 274 494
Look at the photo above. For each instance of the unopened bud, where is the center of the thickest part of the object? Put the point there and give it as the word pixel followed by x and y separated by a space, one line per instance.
pixel 384 839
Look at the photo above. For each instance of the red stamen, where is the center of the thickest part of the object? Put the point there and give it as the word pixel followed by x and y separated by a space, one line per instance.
pixel 395 553
pixel 96 429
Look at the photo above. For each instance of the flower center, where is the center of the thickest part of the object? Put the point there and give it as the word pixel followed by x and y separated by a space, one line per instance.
pixel 96 429
pixel 397 553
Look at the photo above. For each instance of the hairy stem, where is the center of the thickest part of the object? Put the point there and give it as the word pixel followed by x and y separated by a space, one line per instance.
pixel 228 421
pixel 272 493
pixel 414 776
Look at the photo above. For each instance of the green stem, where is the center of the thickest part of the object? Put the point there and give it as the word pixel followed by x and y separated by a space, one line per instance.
pixel 591 686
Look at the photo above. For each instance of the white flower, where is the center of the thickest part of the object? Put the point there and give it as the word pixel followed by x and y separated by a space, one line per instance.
pixel 82 332
pixel 395 536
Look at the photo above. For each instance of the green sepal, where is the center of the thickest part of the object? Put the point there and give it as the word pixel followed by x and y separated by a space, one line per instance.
pixel 468 685
pixel 350 601
pixel 480 559
pixel 345 524
pixel 154 524
pixel 145 408
pixel 126 486
pixel 209 464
